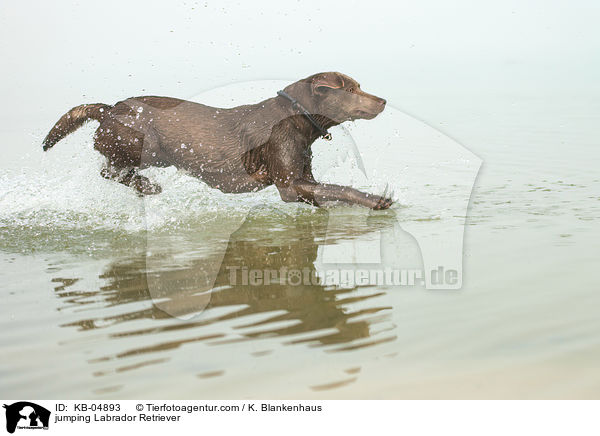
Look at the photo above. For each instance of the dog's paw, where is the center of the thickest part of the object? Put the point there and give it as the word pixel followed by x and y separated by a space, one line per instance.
pixel 382 203
pixel 151 189
pixel 145 186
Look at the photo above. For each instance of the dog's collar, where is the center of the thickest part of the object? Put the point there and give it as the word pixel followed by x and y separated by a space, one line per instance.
pixel 296 105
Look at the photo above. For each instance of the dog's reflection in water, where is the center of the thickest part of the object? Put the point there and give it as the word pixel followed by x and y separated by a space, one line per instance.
pixel 337 316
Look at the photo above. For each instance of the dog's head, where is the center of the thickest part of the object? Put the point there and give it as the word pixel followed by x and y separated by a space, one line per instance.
pixel 335 96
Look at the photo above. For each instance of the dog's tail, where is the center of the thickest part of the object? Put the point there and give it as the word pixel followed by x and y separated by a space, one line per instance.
pixel 73 120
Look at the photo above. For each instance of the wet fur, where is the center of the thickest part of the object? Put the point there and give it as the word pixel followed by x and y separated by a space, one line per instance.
pixel 240 149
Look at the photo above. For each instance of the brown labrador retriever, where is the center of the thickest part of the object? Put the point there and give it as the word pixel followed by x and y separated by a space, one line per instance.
pixel 242 149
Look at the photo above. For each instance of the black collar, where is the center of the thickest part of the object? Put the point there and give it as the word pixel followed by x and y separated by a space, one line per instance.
pixel 324 133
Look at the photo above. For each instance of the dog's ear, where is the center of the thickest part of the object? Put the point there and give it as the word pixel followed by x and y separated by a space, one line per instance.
pixel 321 83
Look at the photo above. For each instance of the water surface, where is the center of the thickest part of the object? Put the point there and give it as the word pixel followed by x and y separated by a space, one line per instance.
pixel 79 320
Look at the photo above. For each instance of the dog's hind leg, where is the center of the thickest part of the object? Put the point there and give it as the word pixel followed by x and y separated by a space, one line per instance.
pixel 130 177
pixel 123 148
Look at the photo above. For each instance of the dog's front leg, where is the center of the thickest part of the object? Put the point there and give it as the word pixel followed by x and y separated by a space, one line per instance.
pixel 319 193
pixel 289 167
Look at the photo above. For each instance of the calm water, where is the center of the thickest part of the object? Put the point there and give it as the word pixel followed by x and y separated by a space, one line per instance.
pixel 79 319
